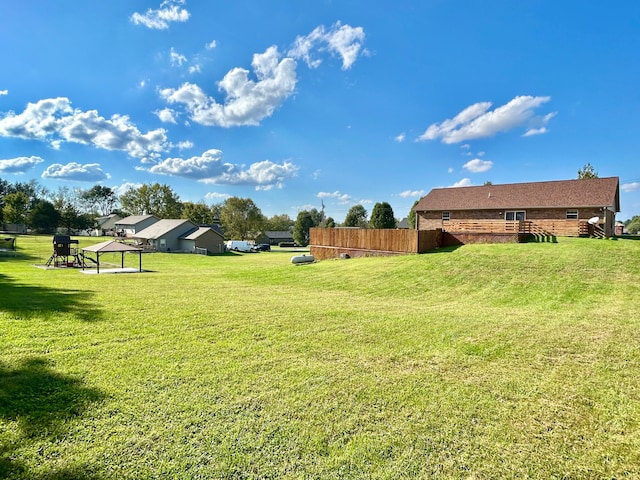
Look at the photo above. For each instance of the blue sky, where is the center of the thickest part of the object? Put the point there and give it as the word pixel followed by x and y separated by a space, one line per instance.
pixel 299 104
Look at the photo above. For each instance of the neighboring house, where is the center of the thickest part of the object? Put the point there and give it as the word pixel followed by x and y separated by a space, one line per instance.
pixel 203 238
pixel 559 208
pixel 276 237
pixel 107 225
pixel 14 228
pixel 165 235
pixel 130 226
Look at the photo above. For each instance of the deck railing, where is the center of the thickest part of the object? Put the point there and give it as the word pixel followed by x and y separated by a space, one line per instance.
pixel 560 227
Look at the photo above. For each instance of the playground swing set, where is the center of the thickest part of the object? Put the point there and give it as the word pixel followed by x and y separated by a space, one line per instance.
pixel 66 255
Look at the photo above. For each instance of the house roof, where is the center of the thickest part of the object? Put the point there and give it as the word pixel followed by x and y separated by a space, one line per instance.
pixel 195 234
pixel 108 220
pixel 582 193
pixel 163 227
pixel 279 234
pixel 134 219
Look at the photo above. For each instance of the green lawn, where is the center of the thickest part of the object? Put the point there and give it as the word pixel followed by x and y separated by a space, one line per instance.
pixel 482 362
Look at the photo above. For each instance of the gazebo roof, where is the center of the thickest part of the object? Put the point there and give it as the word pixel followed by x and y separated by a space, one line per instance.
pixel 111 246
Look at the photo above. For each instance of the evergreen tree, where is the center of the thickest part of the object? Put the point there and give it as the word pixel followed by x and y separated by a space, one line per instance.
pixel 356 217
pixel 382 216
pixel 304 222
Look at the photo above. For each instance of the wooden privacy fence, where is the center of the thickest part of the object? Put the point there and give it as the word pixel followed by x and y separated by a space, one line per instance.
pixel 332 242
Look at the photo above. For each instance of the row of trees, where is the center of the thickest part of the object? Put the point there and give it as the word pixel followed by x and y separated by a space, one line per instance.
pixel 45 211
pixel 381 217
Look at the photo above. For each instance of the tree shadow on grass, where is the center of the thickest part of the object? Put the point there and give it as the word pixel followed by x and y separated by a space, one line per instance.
pixel 15 255
pixel 27 301
pixel 41 403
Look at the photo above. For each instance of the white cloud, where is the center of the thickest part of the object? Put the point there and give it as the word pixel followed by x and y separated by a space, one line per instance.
pixel 340 197
pixel 344 40
pixel 19 164
pixel 535 131
pixel 4 92
pixel 476 121
pixel 217 196
pixel 211 45
pixel 413 193
pixel 168 12
pixel 450 170
pixel 400 138
pixel 247 102
pixel 465 182
pixel 166 115
pixel 197 68
pixel 478 166
pixel 209 168
pixel 177 59
pixel 630 187
pixel 185 145
pixel 121 189
pixel 55 121
pixel 90 172
pixel 209 164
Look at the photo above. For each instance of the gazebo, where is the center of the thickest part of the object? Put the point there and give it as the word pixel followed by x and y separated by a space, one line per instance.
pixel 112 247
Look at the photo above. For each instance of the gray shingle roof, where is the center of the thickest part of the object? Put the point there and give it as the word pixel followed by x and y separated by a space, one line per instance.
pixel 134 219
pixel 594 192
pixel 195 234
pixel 162 227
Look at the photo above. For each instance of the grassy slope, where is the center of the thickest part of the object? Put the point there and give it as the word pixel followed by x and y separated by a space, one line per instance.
pixel 486 361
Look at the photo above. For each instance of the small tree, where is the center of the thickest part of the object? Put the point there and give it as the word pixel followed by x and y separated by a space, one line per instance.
pixel 304 222
pixel 241 219
pixel 199 213
pixel 411 218
pixel 16 206
pixel 382 216
pixel 587 172
pixel 43 217
pixel 633 225
pixel 99 199
pixel 356 217
pixel 281 223
pixel 156 199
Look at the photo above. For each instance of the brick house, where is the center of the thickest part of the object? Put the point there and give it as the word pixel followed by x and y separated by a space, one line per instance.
pixel 557 208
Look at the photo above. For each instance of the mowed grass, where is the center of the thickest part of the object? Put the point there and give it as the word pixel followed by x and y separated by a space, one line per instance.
pixel 481 362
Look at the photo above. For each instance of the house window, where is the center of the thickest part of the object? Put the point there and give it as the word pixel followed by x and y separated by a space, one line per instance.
pixel 446 216
pixel 572 214
pixel 515 215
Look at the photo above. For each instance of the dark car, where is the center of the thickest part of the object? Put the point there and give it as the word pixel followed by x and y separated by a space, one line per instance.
pixel 262 247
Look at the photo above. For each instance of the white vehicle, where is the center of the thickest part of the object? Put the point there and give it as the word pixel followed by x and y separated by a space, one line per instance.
pixel 239 246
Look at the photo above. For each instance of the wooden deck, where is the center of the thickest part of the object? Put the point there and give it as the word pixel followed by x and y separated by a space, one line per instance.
pixel 560 228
